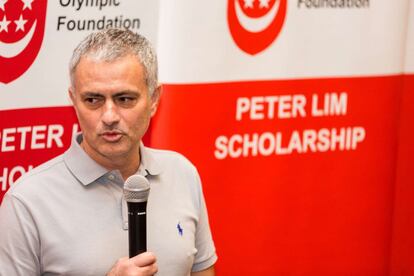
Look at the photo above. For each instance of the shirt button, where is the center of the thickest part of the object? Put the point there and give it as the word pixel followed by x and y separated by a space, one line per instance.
pixel 111 177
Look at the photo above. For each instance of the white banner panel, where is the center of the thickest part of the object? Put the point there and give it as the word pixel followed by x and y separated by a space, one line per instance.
pixel 314 41
pixel 409 50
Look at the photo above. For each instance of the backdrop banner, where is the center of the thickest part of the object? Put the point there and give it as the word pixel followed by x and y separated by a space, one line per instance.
pixel 290 110
pixel 297 114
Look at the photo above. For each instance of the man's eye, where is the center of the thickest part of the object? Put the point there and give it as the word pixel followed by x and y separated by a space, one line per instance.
pixel 92 101
pixel 126 100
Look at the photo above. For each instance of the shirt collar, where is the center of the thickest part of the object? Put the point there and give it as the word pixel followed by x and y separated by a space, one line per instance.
pixel 87 171
pixel 148 166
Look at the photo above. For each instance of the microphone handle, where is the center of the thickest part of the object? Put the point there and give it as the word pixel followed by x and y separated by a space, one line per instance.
pixel 137 227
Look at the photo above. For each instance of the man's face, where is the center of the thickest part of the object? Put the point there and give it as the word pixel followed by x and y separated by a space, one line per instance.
pixel 113 106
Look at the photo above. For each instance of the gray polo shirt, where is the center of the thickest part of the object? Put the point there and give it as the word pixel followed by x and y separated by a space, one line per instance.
pixel 68 217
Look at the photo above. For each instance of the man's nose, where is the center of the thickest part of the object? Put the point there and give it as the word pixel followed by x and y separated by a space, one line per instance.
pixel 110 114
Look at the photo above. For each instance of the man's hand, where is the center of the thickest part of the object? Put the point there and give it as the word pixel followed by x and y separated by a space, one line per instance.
pixel 141 265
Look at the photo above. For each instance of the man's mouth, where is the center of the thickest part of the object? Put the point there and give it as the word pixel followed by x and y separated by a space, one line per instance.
pixel 111 136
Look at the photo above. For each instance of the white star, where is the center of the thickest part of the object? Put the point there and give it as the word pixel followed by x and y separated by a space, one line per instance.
pixel 20 23
pixel 2 2
pixel 248 3
pixel 3 25
pixel 27 4
pixel 264 3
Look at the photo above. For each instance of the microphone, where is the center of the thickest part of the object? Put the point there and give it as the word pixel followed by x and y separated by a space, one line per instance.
pixel 136 191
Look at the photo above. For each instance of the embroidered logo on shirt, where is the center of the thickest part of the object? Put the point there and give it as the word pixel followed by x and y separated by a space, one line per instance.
pixel 180 230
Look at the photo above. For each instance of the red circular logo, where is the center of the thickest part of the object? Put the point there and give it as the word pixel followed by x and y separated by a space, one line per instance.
pixel 255 24
pixel 22 24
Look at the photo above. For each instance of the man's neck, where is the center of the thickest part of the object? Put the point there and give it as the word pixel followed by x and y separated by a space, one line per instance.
pixel 126 164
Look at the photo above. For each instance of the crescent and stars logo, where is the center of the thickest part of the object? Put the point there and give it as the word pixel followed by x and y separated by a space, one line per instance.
pixel 22 24
pixel 255 24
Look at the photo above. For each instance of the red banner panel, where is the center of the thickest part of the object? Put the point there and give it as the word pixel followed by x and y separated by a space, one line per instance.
pixel 29 137
pixel 403 239
pixel 298 174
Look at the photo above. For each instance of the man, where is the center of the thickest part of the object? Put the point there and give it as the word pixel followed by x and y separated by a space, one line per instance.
pixel 68 216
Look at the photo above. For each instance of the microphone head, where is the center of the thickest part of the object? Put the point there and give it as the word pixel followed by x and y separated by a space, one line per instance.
pixel 136 189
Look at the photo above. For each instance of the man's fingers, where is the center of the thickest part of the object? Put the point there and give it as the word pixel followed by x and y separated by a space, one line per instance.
pixel 144 259
pixel 143 264
pixel 150 270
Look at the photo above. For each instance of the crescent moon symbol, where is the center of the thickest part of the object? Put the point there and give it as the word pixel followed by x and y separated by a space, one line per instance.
pixel 256 25
pixel 9 50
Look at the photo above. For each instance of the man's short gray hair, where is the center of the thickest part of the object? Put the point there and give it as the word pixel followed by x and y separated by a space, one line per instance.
pixel 111 44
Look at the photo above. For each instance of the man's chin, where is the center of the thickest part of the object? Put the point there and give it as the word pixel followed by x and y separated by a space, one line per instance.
pixel 115 154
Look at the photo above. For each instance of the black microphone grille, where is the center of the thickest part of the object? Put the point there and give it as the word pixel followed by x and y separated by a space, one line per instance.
pixel 136 188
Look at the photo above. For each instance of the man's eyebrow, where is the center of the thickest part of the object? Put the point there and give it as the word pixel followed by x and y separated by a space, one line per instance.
pixel 117 94
pixel 126 92
pixel 92 94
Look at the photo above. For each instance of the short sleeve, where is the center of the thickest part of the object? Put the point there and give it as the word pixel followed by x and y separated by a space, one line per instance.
pixel 19 243
pixel 206 252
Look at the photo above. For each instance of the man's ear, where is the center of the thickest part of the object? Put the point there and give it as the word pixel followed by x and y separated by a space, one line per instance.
pixel 155 98
pixel 71 95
